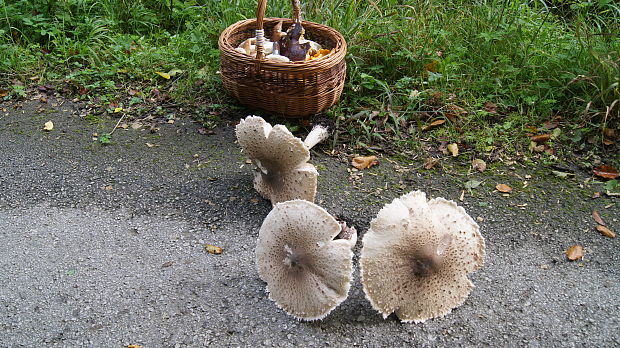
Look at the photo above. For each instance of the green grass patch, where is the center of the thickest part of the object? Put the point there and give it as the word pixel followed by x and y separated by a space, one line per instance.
pixel 491 69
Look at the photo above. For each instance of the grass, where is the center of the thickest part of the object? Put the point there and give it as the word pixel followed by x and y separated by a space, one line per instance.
pixel 493 70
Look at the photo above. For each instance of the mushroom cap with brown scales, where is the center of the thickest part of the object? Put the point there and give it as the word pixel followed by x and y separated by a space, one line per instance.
pixel 416 257
pixel 282 172
pixel 308 272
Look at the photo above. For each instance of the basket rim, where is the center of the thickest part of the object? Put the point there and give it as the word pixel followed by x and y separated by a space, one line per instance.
pixel 338 52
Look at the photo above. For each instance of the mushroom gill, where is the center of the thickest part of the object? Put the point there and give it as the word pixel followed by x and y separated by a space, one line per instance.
pixel 416 257
pixel 307 271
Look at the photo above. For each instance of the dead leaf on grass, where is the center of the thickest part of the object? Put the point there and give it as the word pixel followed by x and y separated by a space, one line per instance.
pixel 503 188
pixel 541 138
pixel 606 171
pixel 490 107
pixel 433 125
pixel 212 249
pixel 430 162
pixel 4 93
pixel 606 231
pixel 163 74
pixel 597 217
pixel 479 165
pixel 575 252
pixel 596 195
pixel 454 149
pixel 363 162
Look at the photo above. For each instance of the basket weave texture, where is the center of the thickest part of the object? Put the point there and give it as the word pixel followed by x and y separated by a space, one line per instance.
pixel 291 89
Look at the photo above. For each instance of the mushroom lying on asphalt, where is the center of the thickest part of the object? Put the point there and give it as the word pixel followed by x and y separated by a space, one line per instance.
pixel 282 172
pixel 308 272
pixel 416 257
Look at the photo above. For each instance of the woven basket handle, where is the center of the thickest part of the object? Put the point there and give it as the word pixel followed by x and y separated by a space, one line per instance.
pixel 260 32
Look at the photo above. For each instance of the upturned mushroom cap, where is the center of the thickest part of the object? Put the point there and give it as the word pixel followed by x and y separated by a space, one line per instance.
pixel 282 171
pixel 416 257
pixel 308 272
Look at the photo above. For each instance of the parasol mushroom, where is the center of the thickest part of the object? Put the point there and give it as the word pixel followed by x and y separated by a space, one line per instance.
pixel 282 172
pixel 307 271
pixel 416 257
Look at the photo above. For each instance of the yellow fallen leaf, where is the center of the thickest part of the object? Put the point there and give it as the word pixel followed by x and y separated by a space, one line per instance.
pixel 212 249
pixel 575 252
pixel 163 74
pixel 118 109
pixel 48 126
pixel 606 231
pixel 454 149
pixel 363 162
pixel 503 188
pixel 133 346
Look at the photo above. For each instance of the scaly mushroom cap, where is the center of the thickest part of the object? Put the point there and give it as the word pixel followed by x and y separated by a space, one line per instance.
pixel 416 257
pixel 308 272
pixel 282 173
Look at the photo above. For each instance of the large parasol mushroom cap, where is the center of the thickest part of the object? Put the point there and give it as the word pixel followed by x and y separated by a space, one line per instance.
pixel 308 272
pixel 416 257
pixel 282 172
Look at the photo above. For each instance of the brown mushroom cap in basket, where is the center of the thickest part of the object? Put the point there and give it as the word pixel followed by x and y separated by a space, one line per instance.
pixel 416 257
pixel 308 272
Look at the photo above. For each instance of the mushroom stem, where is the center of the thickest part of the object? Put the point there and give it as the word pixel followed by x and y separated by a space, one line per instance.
pixel 316 135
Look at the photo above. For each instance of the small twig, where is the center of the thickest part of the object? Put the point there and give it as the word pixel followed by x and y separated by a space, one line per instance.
pixel 117 123
pixel 386 34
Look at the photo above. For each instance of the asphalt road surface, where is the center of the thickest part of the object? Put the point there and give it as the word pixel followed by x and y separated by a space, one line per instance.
pixel 103 245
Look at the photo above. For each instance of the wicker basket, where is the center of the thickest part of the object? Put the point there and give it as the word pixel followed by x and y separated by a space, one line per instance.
pixel 292 89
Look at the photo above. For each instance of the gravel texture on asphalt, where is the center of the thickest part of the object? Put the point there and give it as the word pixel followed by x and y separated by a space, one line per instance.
pixel 103 246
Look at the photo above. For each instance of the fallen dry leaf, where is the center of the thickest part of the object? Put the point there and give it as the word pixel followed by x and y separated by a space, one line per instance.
pixel 212 249
pixel 551 124
pixel 596 195
pixel 454 149
pixel 167 264
pixel 490 107
pixel 575 252
pixel 606 231
pixel 479 165
pixel 433 125
pixel 163 74
pixel 363 162
pixel 503 188
pixel 430 162
pixel 597 217
pixel 108 188
pixel 133 346
pixel 4 93
pixel 48 126
pixel 539 139
pixel 606 171
pixel 152 145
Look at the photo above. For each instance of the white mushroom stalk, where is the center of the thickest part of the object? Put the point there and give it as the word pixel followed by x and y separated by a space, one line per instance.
pixel 316 135
pixel 308 272
pixel 281 160
pixel 416 257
